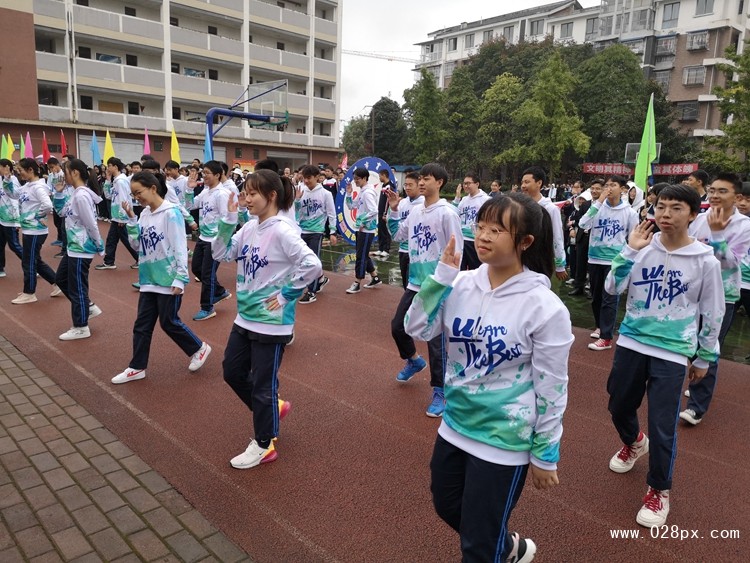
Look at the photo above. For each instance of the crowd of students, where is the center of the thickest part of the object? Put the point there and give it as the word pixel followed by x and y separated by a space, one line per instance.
pixel 477 287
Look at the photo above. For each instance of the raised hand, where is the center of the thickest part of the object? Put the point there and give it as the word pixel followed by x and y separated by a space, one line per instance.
pixel 232 204
pixel 450 257
pixel 717 219
pixel 393 199
pixel 298 191
pixel 641 236
pixel 192 179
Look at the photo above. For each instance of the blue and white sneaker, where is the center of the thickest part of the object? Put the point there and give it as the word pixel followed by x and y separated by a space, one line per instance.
pixel 203 315
pixel 222 297
pixel 410 368
pixel 437 406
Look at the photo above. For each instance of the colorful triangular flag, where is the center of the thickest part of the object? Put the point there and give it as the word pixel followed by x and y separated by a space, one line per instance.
pixel 175 149
pixel 4 148
pixel 11 147
pixel 109 150
pixel 95 156
pixel 146 144
pixel 28 149
pixel 45 148
pixel 22 149
pixel 208 148
pixel 63 144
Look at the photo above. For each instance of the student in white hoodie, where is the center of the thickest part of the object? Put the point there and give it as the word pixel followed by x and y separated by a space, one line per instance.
pixel 159 236
pixel 314 207
pixel 405 205
pixel 673 281
pixel 273 267
pixel 83 242
pixel 117 191
pixel 609 221
pixel 34 204
pixel 508 339
pixel 727 232
pixel 366 224
pixel 467 208
pixel 427 229
pixel 9 221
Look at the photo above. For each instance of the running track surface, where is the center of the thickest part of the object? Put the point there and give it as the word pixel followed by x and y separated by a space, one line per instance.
pixel 352 479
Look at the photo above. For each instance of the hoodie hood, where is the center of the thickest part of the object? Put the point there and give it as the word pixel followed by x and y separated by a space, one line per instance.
pixel 695 248
pixel 437 205
pixel 520 283
pixel 638 200
pixel 92 194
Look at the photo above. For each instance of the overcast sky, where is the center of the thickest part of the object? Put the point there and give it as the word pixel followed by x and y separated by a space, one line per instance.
pixel 392 27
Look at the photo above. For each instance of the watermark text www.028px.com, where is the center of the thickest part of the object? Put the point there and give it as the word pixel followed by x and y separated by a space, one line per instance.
pixel 674 533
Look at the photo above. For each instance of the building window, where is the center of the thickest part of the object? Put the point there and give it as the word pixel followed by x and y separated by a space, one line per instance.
pixel 176 68
pixel 662 79
pixel 635 46
pixel 671 15
pixel 469 41
pixel 688 111
pixel 176 113
pixel 666 45
pixel 741 7
pixel 591 26
pixel 452 43
pixel 280 46
pixel 487 36
pixel 47 96
pixel 105 58
pixel 606 25
pixel 87 102
pixel 213 74
pixel 697 41
pixel 566 30
pixel 82 2
pixel 84 52
pixel 449 68
pixel 131 60
pixel 250 38
pixel 212 30
pixel 134 108
pixel 174 21
pixel 537 27
pixel 641 20
pixel 194 72
pixel 508 33
pixel 693 75
pixel 281 4
pixel 703 7
pixel 129 11
pixel 44 44
pixel 664 62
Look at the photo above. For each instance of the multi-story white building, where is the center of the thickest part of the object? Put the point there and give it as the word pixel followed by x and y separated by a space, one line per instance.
pixel 133 65
pixel 679 42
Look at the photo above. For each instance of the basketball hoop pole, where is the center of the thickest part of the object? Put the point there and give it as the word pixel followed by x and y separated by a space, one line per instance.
pixel 230 113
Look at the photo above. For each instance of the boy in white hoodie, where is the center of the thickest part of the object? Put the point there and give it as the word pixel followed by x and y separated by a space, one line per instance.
pixel 727 232
pixel 467 208
pixel 366 224
pixel 506 373
pixel 609 221
pixel 672 280
pixel 9 221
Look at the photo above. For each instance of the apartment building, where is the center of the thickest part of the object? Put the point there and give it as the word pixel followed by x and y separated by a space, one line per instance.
pixel 679 43
pixel 133 65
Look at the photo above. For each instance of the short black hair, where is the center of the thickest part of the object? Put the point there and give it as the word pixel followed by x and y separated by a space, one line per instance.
pixel 622 180
pixel 114 161
pixel 538 173
pixel 172 165
pixel 680 192
pixel 436 171
pixel 359 173
pixel 214 166
pixel 52 160
pixel 701 176
pixel 150 164
pixel 308 170
pixel 744 191
pixel 412 176
pixel 730 177
pixel 267 164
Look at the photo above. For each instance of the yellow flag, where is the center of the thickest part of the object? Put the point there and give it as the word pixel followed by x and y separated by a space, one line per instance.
pixel 109 150
pixel 11 148
pixel 175 153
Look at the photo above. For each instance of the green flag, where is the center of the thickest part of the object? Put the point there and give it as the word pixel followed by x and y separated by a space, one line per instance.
pixel 23 148
pixel 4 148
pixel 647 150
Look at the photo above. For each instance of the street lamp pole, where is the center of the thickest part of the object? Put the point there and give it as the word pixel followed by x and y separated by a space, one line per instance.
pixel 372 122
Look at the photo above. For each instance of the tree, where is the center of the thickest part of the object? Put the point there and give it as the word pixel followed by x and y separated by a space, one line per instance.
pixel 424 115
pixel 462 118
pixel 389 130
pixel 547 123
pixel 354 138
pixel 495 131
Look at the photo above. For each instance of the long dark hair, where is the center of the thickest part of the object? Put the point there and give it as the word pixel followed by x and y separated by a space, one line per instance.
pixel 267 182
pixel 525 217
pixel 149 180
pixel 30 164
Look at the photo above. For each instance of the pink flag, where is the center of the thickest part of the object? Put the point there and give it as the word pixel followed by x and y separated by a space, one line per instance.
pixel 345 162
pixel 29 151
pixel 146 144
pixel 45 148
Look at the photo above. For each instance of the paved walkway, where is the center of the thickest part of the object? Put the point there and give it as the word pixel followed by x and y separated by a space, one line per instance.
pixel 70 491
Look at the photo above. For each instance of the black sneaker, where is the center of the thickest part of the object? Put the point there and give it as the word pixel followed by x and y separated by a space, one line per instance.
pixel 523 550
pixel 354 288
pixel 322 282
pixel 374 282
pixel 308 298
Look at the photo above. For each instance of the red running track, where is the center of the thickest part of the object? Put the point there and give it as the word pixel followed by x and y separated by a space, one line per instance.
pixel 352 479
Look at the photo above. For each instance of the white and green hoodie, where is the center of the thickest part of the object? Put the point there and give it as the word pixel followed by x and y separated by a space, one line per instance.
pixel 313 208
pixel 34 204
pixel 272 260
pixel 81 227
pixel 558 244
pixel 506 366
pixel 212 204
pixel 366 205
pixel 159 238
pixel 667 293
pixel 730 246
pixel 8 204
pixel 608 228
pixel 117 191
pixel 404 208
pixel 427 230
pixel 468 208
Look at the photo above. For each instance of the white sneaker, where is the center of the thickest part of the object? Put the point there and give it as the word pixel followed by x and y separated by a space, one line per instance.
pixel 687 393
pixel 624 460
pixel 655 508
pixel 76 333
pixel 254 455
pixel 199 358
pixel 129 375
pixel 690 416
pixel 94 311
pixel 24 298
pixel 596 334
pixel 2 274
pixel 55 291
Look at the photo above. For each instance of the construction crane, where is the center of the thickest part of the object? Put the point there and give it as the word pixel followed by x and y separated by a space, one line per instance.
pixel 380 56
